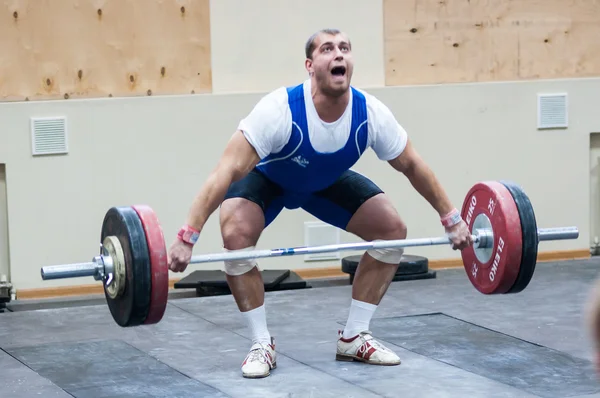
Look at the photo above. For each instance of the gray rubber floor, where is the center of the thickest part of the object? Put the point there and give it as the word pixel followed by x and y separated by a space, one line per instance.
pixel 453 341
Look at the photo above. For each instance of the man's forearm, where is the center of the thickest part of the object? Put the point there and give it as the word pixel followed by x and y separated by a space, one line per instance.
pixel 208 198
pixel 426 183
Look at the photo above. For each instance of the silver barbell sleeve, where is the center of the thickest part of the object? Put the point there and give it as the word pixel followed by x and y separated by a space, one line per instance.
pixel 69 271
pixel 482 238
pixel 558 233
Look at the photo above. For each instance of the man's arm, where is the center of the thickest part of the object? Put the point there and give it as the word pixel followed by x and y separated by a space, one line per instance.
pixel 422 179
pixel 238 159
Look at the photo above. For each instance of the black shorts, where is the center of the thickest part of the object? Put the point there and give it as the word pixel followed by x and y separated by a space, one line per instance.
pixel 334 205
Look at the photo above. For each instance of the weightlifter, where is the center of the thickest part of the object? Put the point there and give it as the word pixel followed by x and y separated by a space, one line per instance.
pixel 295 150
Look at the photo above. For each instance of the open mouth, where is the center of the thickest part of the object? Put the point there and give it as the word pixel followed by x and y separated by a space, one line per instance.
pixel 338 71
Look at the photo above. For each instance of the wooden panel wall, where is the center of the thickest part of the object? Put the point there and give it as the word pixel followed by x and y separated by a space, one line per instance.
pixel 444 41
pixel 96 48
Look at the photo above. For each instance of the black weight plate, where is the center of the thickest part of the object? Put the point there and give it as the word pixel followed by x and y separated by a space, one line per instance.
pixel 350 263
pixel 132 306
pixel 412 264
pixel 530 237
pixel 409 264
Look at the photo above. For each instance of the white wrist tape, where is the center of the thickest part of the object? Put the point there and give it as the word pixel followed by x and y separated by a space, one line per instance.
pixel 389 256
pixel 239 267
pixel 451 219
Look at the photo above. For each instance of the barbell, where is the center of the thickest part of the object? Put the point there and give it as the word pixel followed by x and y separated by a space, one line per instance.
pixel 132 263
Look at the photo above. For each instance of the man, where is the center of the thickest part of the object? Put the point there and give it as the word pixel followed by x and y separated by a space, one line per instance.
pixel 295 150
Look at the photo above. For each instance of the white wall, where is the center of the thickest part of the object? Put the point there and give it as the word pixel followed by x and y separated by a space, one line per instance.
pixel 258 45
pixel 158 150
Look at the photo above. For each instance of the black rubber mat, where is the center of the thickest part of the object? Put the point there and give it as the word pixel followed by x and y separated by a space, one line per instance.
pixel 108 369
pixel 410 264
pixel 217 278
pixel 530 367
pixel 214 282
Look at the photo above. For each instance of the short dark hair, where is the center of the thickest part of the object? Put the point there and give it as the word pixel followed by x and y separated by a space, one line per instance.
pixel 309 48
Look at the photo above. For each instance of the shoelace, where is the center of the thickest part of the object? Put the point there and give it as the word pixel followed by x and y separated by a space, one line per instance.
pixel 374 343
pixel 259 353
pixel 378 345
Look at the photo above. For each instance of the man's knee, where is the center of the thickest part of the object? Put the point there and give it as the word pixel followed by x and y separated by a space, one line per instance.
pixel 394 229
pixel 240 230
pixel 242 222
pixel 237 239
pixel 390 227
pixel 241 266
pixel 238 236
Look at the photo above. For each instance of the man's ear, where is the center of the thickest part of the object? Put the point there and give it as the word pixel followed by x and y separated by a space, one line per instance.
pixel 308 66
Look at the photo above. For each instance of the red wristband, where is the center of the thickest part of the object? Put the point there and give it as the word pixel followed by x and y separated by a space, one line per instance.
pixel 188 234
pixel 451 218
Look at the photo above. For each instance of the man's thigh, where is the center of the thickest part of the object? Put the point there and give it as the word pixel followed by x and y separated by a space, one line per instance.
pixel 259 190
pixel 337 204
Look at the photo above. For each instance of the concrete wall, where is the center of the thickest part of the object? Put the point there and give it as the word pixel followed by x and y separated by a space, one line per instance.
pixel 158 150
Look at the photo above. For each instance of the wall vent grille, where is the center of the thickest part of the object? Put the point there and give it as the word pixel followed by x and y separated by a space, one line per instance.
pixel 552 111
pixel 49 136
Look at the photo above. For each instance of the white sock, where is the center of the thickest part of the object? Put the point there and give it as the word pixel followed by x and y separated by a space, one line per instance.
pixel 359 318
pixel 256 320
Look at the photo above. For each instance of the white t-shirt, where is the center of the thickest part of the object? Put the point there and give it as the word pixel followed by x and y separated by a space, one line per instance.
pixel 269 125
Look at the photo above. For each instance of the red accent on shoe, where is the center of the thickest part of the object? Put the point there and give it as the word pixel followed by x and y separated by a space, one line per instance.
pixel 370 352
pixel 348 340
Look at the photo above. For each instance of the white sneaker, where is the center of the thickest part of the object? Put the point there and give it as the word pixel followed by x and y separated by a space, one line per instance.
pixel 364 348
pixel 260 360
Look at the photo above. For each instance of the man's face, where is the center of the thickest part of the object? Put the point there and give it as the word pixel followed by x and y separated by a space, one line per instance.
pixel 332 64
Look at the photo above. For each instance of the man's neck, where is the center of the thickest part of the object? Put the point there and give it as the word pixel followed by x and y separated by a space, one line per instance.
pixel 329 108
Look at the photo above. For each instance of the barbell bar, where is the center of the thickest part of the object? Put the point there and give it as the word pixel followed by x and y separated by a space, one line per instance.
pixel 132 263
pixel 483 238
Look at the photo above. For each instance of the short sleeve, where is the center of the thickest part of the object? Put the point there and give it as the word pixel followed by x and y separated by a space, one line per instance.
pixel 268 126
pixel 387 137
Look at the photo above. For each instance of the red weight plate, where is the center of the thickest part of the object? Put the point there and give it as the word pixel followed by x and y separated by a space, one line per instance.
pixel 158 260
pixel 129 308
pixel 497 272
